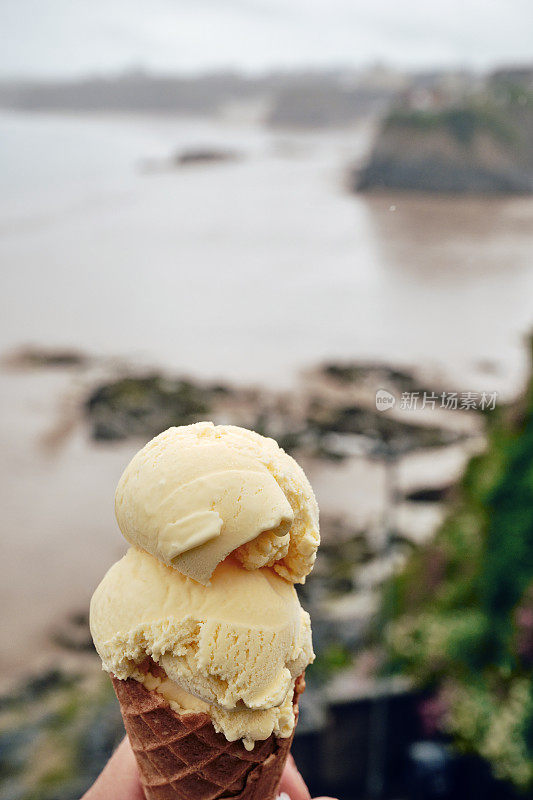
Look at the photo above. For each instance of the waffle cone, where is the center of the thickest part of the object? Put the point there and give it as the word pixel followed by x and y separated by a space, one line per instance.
pixel 181 757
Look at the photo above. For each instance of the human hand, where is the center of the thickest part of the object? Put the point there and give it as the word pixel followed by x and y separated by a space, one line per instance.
pixel 293 786
pixel 119 779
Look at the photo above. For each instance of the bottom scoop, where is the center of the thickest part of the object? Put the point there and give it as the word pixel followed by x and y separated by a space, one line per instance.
pixel 236 645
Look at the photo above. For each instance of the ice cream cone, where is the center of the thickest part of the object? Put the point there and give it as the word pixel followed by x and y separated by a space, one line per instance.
pixel 182 757
pixel 199 623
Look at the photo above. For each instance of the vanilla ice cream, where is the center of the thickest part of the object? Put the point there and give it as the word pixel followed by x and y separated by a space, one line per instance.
pixel 237 644
pixel 222 523
pixel 195 494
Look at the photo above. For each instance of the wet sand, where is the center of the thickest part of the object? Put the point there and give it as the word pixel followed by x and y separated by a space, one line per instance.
pixel 59 529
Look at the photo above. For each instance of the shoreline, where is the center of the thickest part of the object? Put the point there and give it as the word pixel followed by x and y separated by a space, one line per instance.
pixel 59 481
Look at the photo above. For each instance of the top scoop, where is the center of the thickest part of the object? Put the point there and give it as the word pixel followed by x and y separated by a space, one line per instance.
pixel 197 493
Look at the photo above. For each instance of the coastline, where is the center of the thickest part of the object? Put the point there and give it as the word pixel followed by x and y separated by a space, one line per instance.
pixel 58 481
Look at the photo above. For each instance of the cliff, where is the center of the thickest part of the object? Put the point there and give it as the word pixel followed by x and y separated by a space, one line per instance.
pixel 473 148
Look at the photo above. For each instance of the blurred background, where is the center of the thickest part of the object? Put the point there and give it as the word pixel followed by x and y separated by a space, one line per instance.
pixel 315 220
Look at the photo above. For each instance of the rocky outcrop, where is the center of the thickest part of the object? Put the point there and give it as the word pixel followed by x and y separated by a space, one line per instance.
pixel 462 150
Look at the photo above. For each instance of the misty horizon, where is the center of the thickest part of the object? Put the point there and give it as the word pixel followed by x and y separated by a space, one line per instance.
pixel 340 71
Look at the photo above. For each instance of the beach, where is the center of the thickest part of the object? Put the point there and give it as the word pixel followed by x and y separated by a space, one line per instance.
pixel 168 266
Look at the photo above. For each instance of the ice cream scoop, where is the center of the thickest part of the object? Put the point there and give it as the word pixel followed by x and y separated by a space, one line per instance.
pixel 195 494
pixel 237 644
pixel 242 639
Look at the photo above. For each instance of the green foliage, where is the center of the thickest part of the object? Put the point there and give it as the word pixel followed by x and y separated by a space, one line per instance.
pixel 462 611
pixel 462 123
pixel 511 93
pixel 329 660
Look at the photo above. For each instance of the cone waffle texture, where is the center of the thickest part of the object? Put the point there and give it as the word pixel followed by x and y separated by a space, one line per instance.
pixel 181 757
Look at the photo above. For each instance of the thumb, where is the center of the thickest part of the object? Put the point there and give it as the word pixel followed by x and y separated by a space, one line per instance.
pixel 119 779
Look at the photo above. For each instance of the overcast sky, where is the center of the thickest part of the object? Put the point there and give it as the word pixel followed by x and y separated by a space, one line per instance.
pixel 71 37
